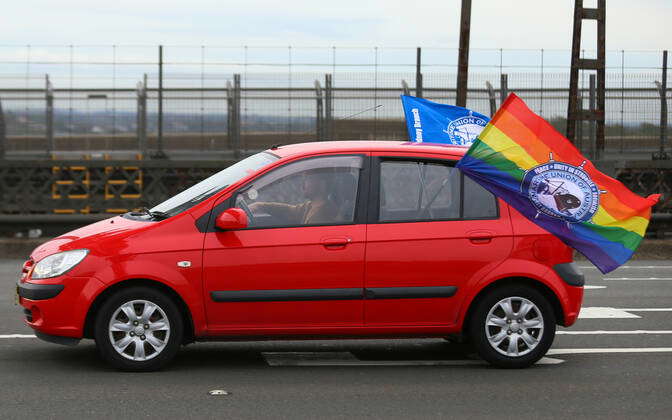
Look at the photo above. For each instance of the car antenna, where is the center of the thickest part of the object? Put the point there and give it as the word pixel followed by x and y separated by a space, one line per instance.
pixel 373 108
pixel 275 146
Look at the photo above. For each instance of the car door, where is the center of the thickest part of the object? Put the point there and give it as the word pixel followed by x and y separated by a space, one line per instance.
pixel 431 232
pixel 297 264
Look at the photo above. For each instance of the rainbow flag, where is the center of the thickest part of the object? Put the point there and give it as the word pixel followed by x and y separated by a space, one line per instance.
pixel 521 158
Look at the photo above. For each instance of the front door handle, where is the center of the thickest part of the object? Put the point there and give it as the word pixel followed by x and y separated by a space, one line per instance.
pixel 336 243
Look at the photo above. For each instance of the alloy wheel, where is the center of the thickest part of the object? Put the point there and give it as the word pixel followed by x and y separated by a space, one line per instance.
pixel 514 326
pixel 139 330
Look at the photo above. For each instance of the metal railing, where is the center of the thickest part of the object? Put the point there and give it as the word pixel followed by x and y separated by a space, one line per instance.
pixel 87 187
pixel 217 99
pixel 233 119
pixel 90 187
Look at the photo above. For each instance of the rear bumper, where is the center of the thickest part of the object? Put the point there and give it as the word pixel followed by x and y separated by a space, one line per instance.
pixel 570 274
pixel 572 305
pixel 573 281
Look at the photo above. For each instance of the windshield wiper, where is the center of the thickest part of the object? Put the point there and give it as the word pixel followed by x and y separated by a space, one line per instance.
pixel 159 215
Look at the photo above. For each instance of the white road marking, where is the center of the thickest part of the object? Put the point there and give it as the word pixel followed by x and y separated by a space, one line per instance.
pixel 647 309
pixel 588 287
pixel 608 350
pixel 597 312
pixel 549 361
pixel 375 363
pixel 348 359
pixel 615 332
pixel 637 279
pixel 631 266
pixel 17 336
pixel 300 358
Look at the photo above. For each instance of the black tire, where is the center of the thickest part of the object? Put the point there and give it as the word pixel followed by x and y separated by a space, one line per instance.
pixel 528 355
pixel 154 360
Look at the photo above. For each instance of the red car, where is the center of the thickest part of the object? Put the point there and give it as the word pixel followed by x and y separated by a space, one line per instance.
pixel 330 239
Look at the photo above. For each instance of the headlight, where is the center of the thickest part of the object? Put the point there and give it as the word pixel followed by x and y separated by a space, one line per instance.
pixel 57 264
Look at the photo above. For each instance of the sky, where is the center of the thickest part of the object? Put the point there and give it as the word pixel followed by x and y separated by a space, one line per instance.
pixel 115 42
pixel 508 24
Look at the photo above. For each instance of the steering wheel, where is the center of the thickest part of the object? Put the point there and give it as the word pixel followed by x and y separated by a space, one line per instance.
pixel 245 207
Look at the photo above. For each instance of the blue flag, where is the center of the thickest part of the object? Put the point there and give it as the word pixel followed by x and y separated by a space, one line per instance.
pixel 430 122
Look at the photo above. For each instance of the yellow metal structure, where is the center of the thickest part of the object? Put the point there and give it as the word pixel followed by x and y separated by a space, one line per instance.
pixel 76 180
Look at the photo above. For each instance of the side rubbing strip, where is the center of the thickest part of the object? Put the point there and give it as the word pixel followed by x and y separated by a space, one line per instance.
pixel 409 292
pixel 332 294
pixel 286 295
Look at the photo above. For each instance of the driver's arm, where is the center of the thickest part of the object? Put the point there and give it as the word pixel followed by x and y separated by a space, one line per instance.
pixel 285 211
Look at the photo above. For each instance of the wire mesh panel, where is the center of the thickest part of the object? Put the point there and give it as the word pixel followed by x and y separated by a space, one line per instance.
pixel 94 105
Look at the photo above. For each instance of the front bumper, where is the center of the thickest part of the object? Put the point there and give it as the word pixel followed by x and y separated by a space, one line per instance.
pixel 58 307
pixel 35 291
pixel 64 341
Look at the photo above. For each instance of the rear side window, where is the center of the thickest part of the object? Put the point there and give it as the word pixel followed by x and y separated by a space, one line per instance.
pixel 424 191
pixel 418 191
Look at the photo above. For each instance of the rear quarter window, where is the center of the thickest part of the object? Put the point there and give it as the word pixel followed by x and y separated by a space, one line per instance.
pixel 479 203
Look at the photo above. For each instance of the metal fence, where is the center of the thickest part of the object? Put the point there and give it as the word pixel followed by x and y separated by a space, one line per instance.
pixel 82 100
pixel 80 124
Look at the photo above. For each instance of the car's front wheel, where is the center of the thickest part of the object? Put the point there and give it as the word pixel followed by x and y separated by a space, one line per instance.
pixel 138 329
pixel 512 326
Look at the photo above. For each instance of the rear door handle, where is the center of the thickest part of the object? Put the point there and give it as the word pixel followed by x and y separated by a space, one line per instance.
pixel 335 243
pixel 480 236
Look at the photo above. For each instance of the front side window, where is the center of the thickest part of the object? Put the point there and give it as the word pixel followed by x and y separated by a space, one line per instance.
pixel 314 191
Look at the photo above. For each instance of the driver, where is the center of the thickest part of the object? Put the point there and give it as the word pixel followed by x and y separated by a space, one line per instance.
pixel 316 209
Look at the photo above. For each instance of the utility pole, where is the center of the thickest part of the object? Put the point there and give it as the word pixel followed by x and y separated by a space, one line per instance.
pixel 463 55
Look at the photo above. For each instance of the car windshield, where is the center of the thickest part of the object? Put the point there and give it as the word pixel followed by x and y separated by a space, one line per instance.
pixel 215 183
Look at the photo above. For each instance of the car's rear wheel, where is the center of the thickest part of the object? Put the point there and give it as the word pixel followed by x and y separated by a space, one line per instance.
pixel 512 326
pixel 138 329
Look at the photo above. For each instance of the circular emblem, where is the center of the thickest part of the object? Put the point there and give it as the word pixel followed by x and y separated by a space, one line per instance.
pixel 563 191
pixel 464 130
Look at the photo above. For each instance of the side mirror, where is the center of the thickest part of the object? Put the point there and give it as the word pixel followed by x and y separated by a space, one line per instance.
pixel 232 219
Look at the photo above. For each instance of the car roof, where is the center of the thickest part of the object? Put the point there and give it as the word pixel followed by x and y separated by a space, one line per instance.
pixel 367 146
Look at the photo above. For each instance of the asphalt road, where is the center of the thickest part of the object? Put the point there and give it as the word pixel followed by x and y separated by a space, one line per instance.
pixel 614 363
